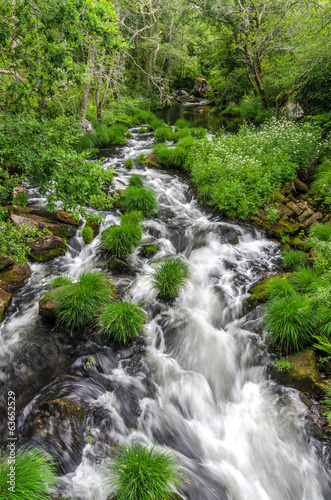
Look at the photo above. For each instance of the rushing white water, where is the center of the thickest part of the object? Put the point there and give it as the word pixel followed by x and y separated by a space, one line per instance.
pixel 201 386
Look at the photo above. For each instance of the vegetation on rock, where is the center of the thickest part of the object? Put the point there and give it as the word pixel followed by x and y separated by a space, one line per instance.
pixel 170 276
pixel 122 322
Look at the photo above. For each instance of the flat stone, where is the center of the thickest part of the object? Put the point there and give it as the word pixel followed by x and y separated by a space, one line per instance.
pixel 305 215
pixel 67 217
pixel 301 186
pixel 317 216
pixel 5 299
pixel 295 208
pixel 47 248
pixel 14 277
pixel 62 230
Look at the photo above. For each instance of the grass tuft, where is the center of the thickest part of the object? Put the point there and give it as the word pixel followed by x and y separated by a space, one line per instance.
pixel 136 181
pixel 122 321
pixel 278 287
pixel 78 304
pixel 61 281
pixel 139 198
pixel 305 279
pixel 170 277
pixel 133 217
pixel 295 259
pixel 144 473
pixel 129 163
pixel 321 231
pixel 35 474
pixel 290 322
pixel 121 240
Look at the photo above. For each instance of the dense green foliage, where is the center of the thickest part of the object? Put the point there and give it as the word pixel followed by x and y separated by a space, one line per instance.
pixel 294 259
pixel 122 322
pixel 121 240
pixel 79 304
pixel 144 473
pixel 141 199
pixel 13 240
pixel 170 277
pixel 34 475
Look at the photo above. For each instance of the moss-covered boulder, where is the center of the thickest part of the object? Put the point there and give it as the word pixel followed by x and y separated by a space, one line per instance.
pixel 5 299
pixel 62 230
pixel 14 277
pixel 120 266
pixel 48 305
pixel 152 161
pixel 67 217
pixel 47 248
pixel 303 374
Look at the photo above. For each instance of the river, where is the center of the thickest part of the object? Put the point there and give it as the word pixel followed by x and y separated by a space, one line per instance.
pixel 196 383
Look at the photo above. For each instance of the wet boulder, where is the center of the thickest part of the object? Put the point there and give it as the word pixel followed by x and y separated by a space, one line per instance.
pixel 30 220
pixel 201 87
pixel 182 93
pixel 48 305
pixel 47 248
pixel 303 374
pixel 120 266
pixel 14 277
pixel 5 298
pixel 67 217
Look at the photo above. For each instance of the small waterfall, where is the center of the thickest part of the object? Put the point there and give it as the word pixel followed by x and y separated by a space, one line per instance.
pixel 198 384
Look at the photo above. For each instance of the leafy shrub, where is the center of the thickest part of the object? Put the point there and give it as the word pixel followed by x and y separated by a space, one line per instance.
pixel 239 172
pixel 251 109
pixel 102 201
pixel 35 474
pixel 122 321
pixel 278 287
pixel 290 322
pixel 321 231
pixel 13 240
pixel 20 199
pixel 136 181
pixel 272 214
pixel 294 259
pixel 129 163
pixel 169 277
pixel 63 280
pixel 139 198
pixel 133 217
pixel 87 234
pixel 121 240
pixel 7 183
pixel 181 123
pixel 143 473
pixel 78 304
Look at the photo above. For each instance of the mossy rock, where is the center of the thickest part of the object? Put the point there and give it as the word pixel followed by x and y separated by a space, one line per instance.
pixel 149 250
pixel 61 230
pixel 67 217
pixel 5 299
pixel 152 161
pixel 5 262
pixel 120 266
pixel 258 292
pixel 303 374
pixel 298 243
pixel 95 228
pixel 48 305
pixel 47 248
pixel 14 277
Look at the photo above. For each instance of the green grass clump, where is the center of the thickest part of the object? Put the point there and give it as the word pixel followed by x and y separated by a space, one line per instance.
pixel 61 281
pixel 163 134
pixel 144 473
pixel 321 231
pixel 278 287
pixel 181 123
pixel 155 123
pixel 35 474
pixel 139 198
pixel 171 157
pixel 133 217
pixel 198 132
pixel 294 259
pixel 180 134
pixel 136 181
pixel 142 130
pixel 144 116
pixel 322 182
pixel 116 134
pixel 305 279
pixel 78 304
pixel 129 163
pixel 87 234
pixel 170 277
pixel 121 240
pixel 122 321
pixel 290 322
pixel 150 250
